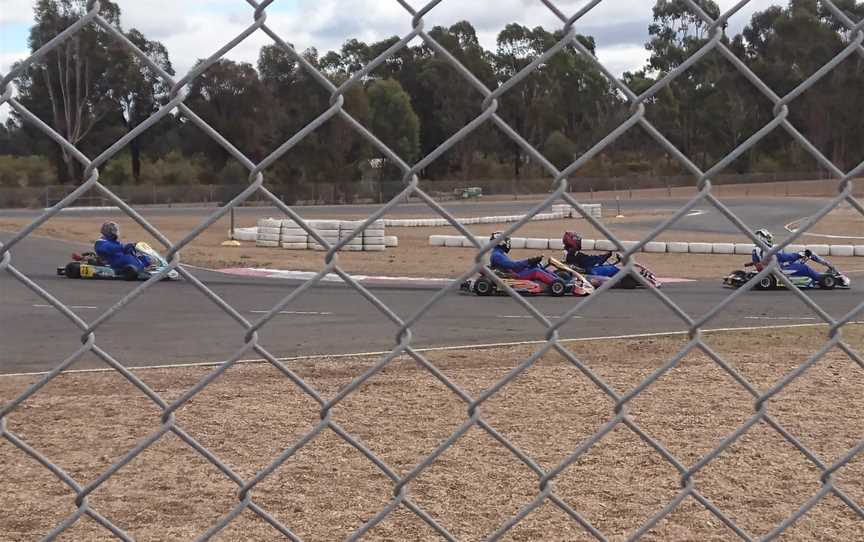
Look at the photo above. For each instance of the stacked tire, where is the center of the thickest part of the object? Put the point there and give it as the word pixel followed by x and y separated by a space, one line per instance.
pixel 269 232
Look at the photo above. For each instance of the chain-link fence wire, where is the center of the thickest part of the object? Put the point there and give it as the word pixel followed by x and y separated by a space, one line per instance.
pixel 403 341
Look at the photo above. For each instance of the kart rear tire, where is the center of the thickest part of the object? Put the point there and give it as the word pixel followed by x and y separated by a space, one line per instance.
pixel 767 283
pixel 129 273
pixel 628 283
pixel 484 287
pixel 828 282
pixel 558 288
pixel 73 270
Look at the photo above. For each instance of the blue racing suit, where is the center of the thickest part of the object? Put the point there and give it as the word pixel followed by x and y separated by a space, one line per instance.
pixel 593 265
pixel 521 269
pixel 119 256
pixel 791 261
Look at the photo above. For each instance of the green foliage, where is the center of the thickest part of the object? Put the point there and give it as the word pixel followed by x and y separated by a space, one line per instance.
pixel 25 171
pixel 393 118
pixel 559 150
pixel 415 100
pixel 174 169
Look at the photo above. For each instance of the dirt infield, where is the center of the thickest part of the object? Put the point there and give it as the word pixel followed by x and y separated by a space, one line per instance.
pixel 249 415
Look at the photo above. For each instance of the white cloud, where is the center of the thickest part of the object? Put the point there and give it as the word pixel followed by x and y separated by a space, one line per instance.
pixel 193 29
pixel 621 58
pixel 7 59
pixel 15 12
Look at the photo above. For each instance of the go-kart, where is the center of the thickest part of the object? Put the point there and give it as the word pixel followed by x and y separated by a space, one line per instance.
pixel 832 278
pixel 575 284
pixel 601 274
pixel 90 266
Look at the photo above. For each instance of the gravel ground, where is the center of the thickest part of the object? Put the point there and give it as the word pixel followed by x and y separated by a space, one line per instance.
pixel 250 414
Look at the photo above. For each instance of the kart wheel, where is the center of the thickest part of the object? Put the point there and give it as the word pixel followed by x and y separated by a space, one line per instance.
pixel 767 283
pixel 558 288
pixel 484 287
pixel 73 270
pixel 129 273
pixel 828 282
pixel 628 283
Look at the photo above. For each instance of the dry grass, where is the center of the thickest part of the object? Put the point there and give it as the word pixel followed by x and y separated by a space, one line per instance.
pixel 251 414
pixel 413 255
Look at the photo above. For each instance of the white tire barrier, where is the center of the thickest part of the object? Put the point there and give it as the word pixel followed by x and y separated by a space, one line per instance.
pixel 603 244
pixel 658 247
pixel 245 234
pixel 262 243
pixel 517 242
pixel 700 248
pixel 652 246
pixel 293 239
pixel 391 241
pixel 537 244
pixel 556 212
pixel 821 250
pixel 269 223
pixel 842 250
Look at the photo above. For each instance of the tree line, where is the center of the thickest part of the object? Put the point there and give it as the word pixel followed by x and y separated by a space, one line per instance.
pixel 92 91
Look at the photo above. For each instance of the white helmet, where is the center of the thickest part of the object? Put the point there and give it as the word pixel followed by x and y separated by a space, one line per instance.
pixel 766 236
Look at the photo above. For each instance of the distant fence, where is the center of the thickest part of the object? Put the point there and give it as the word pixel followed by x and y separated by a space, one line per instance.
pixel 752 184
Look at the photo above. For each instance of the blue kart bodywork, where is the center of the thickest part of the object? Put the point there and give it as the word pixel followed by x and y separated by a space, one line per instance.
pixel 91 266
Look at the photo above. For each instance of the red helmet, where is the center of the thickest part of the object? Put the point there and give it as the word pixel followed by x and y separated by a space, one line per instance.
pixel 572 240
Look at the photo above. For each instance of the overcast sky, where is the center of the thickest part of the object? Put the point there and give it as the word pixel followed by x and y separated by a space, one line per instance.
pixel 193 29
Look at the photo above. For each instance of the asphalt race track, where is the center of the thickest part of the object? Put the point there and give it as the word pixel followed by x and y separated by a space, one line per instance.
pixel 173 322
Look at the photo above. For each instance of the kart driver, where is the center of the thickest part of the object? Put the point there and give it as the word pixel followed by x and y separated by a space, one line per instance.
pixel 790 262
pixel 117 255
pixel 575 257
pixel 522 269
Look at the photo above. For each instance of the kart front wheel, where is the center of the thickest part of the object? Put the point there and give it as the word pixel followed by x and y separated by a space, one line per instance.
pixel 73 270
pixel 558 288
pixel 828 282
pixel 483 286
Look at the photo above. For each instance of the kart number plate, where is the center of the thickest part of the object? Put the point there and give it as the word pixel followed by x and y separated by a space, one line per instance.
pixel 87 271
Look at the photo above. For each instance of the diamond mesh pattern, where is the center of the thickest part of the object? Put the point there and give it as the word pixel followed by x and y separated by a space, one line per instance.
pixel 487 113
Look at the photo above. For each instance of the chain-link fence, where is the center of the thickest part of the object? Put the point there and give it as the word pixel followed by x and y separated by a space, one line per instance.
pixel 487 113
